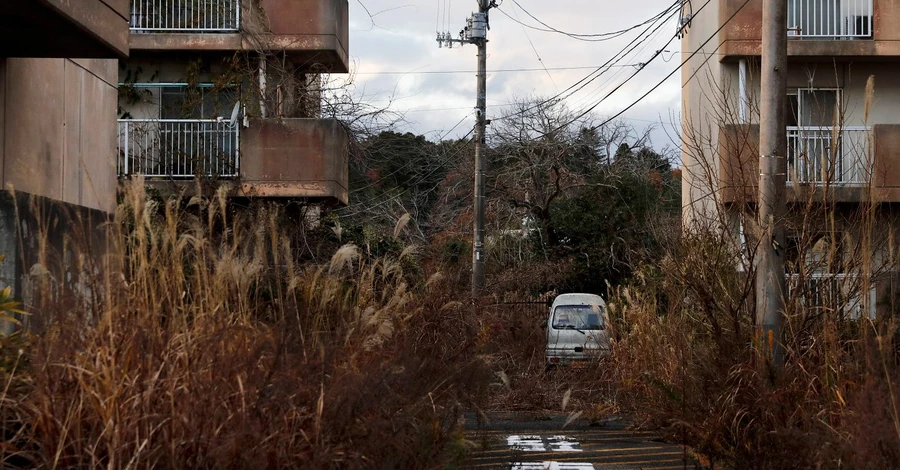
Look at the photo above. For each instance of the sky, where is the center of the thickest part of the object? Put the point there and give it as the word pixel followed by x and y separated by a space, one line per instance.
pixel 394 59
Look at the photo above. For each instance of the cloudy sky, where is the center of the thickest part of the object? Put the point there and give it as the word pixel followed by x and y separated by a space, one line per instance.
pixel 396 59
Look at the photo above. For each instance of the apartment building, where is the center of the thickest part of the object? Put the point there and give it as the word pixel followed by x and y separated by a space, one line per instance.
pixel 229 92
pixel 843 136
pixel 58 75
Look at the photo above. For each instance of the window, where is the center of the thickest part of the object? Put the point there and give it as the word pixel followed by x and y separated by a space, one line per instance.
pixel 578 317
pixel 817 107
pixel 202 102
pixel 814 148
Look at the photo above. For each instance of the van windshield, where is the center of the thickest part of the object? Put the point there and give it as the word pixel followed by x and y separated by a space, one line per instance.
pixel 578 317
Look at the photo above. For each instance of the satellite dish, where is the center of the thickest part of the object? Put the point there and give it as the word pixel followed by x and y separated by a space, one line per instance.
pixel 234 113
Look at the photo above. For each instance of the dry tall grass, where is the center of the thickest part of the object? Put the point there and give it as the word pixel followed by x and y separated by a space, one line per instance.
pixel 204 345
pixel 687 360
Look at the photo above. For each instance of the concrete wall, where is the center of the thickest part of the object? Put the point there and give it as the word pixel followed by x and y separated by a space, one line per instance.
pixel 303 158
pixel 59 130
pixel 312 32
pixel 702 78
pixel 741 36
pixel 51 250
pixel 64 28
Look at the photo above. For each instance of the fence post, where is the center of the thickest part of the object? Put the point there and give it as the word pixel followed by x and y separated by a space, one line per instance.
pixel 127 146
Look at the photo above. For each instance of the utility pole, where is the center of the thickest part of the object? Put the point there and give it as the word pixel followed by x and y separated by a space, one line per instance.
pixel 475 32
pixel 770 287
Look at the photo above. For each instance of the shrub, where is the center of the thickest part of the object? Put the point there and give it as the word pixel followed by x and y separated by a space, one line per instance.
pixel 203 344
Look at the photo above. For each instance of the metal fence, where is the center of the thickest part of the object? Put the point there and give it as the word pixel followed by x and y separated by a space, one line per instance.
pixel 189 16
pixel 839 294
pixel 178 148
pixel 830 19
pixel 820 155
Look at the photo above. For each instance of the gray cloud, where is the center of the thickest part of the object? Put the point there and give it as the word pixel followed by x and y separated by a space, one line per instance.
pixel 400 38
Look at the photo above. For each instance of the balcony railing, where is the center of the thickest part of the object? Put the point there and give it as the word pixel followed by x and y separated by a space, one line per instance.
pixel 830 19
pixel 178 148
pixel 185 16
pixel 837 294
pixel 826 155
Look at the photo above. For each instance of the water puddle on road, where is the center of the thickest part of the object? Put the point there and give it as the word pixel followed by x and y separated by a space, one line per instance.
pixel 543 444
pixel 546 444
pixel 552 466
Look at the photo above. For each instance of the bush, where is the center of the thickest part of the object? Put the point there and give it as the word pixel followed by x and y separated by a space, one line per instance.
pixel 203 347
pixel 688 361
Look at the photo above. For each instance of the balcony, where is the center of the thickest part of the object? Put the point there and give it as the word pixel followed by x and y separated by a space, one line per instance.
pixel 270 158
pixel 828 155
pixel 817 28
pixel 307 31
pixel 830 19
pixel 185 16
pixel 295 158
pixel 817 166
pixel 837 294
pixel 178 148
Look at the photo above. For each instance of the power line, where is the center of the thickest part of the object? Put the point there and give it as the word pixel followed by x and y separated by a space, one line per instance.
pixel 638 50
pixel 651 30
pixel 685 61
pixel 585 37
pixel 541 61
pixel 599 71
pixel 436 72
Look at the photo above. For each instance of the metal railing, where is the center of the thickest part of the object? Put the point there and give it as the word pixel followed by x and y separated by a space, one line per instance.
pixel 832 293
pixel 185 16
pixel 178 148
pixel 828 155
pixel 830 19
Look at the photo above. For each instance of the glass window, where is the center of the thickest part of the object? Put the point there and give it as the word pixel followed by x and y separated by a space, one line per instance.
pixel 205 102
pixel 578 317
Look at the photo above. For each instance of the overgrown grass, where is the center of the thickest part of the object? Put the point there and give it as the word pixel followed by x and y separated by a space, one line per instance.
pixel 687 360
pixel 203 344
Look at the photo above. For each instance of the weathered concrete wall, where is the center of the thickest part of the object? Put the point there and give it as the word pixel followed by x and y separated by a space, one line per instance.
pixel 59 129
pixel 701 78
pixel 320 27
pixel 309 31
pixel 742 36
pixel 52 250
pixel 887 161
pixel 303 158
pixel 64 28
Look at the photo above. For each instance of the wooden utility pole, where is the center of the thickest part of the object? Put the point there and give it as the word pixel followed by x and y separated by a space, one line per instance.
pixel 770 287
pixel 475 32
pixel 480 124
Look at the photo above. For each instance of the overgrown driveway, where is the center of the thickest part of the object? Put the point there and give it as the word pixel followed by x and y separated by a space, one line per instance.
pixel 526 441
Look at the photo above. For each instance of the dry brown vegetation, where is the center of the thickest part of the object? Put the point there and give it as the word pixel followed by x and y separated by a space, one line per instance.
pixel 688 359
pixel 203 344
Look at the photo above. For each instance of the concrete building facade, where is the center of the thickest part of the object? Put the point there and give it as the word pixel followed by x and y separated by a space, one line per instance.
pixel 96 91
pixel 843 131
pixel 58 75
pixel 229 91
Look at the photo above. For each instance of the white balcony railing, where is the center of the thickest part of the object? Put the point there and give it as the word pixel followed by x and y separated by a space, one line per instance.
pixel 830 19
pixel 178 148
pixel 185 16
pixel 825 155
pixel 837 294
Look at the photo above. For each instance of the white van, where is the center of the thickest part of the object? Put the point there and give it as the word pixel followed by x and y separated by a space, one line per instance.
pixel 577 330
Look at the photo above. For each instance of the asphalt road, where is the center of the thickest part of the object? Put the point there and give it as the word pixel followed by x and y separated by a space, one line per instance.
pixel 535 442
